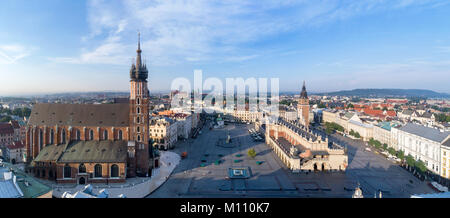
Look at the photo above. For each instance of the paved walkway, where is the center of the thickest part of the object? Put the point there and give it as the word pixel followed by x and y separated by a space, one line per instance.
pixel 133 187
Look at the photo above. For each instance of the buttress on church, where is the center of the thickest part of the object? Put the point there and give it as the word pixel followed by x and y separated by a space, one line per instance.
pixel 88 143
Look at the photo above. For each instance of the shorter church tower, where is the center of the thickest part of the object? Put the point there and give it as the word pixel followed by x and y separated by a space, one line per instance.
pixel 303 107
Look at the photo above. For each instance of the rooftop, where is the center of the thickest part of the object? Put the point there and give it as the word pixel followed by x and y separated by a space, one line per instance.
pixel 29 187
pixel 85 151
pixel 80 115
pixel 425 132
pixel 6 128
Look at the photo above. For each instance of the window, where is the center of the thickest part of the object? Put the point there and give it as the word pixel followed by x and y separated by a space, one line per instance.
pixel 120 134
pixel 98 171
pixel 41 139
pixel 139 138
pixel 63 136
pixel 105 134
pixel 138 129
pixel 138 109
pixel 82 168
pixel 52 135
pixel 138 101
pixel 114 171
pixel 67 171
pixel 91 134
pixel 78 135
pixel 137 119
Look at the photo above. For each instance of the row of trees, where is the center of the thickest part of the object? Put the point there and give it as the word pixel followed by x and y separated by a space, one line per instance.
pixel 354 134
pixel 21 112
pixel 442 109
pixel 331 127
pixel 411 163
pixel 5 119
pixel 442 117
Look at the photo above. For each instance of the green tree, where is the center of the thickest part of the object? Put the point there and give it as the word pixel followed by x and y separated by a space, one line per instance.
pixel 391 151
pixel 5 119
pixel 251 153
pixel 26 112
pixel 385 146
pixel 410 161
pixel 331 127
pixel 354 133
pixel 420 166
pixel 401 154
pixel 17 112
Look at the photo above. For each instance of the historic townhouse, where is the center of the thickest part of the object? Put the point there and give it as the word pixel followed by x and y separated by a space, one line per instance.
pixel 163 132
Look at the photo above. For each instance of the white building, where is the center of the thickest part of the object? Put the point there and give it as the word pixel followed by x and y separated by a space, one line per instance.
pixel 163 131
pixel 184 124
pixel 15 152
pixel 422 143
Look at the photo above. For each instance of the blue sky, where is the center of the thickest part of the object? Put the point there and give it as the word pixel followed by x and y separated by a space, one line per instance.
pixel 58 46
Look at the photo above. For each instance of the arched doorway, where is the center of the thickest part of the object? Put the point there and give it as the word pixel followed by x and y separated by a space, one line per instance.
pixel 323 166
pixel 82 181
pixel 13 161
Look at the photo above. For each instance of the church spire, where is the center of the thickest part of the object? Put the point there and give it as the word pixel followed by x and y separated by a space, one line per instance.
pixel 138 69
pixel 139 41
pixel 304 94
pixel 139 51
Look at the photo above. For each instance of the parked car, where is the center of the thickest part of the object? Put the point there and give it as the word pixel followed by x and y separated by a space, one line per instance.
pixel 368 149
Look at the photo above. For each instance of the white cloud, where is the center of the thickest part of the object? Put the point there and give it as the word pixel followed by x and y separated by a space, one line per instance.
pixel 205 30
pixel 12 53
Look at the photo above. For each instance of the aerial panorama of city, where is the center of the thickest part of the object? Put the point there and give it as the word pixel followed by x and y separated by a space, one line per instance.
pixel 224 99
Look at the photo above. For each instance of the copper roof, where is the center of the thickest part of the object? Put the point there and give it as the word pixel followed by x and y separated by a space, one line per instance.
pixel 80 115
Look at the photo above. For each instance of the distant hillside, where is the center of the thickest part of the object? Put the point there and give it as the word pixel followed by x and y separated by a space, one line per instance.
pixel 389 93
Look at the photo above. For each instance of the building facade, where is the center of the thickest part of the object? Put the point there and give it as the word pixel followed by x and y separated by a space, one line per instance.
pixel 163 132
pixel 422 143
pixel 15 152
pixel 303 151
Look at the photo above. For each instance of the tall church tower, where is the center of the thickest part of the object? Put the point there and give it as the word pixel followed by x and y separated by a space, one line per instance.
pixel 303 107
pixel 139 118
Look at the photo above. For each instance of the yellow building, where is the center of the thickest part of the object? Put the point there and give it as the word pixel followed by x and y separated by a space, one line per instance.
pixel 445 158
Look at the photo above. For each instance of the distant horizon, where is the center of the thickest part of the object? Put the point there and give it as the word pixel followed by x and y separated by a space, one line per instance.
pixel 168 92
